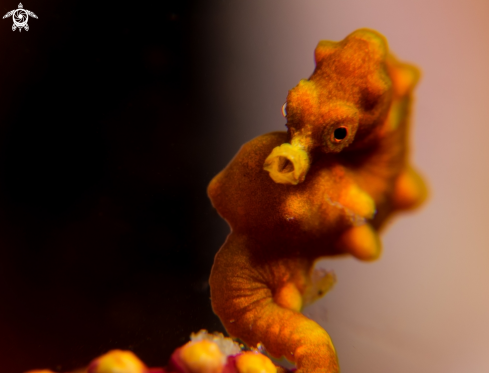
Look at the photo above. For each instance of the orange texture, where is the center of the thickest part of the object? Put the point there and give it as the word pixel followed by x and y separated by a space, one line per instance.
pixel 324 188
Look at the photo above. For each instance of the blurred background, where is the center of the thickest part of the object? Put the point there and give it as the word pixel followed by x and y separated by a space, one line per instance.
pixel 114 116
pixel 106 230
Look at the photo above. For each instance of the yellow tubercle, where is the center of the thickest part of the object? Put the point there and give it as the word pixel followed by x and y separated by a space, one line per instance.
pixel 358 201
pixel 405 77
pixel 362 242
pixel 323 49
pixel 289 297
pixel 410 190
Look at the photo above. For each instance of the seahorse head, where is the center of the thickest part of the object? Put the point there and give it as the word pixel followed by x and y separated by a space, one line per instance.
pixel 338 108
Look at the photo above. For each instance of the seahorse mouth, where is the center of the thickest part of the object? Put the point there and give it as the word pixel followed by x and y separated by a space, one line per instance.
pixel 287 164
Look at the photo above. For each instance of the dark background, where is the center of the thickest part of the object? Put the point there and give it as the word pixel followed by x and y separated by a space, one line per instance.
pixel 107 235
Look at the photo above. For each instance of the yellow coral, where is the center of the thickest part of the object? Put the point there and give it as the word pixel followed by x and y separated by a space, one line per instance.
pixel 254 362
pixel 202 357
pixel 117 361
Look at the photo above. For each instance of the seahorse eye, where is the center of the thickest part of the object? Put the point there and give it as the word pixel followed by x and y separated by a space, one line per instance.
pixel 340 133
pixel 284 110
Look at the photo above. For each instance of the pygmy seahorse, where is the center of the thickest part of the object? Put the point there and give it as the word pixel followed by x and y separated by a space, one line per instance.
pixel 323 188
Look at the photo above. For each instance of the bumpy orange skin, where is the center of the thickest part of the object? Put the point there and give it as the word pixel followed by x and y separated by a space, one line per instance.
pixel 341 195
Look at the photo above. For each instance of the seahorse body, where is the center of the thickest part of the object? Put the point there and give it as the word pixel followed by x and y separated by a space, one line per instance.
pixel 323 188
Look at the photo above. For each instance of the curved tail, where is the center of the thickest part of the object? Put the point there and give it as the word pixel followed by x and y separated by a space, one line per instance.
pixel 260 303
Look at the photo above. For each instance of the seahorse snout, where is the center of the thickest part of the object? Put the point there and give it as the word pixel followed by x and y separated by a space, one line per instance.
pixel 287 164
